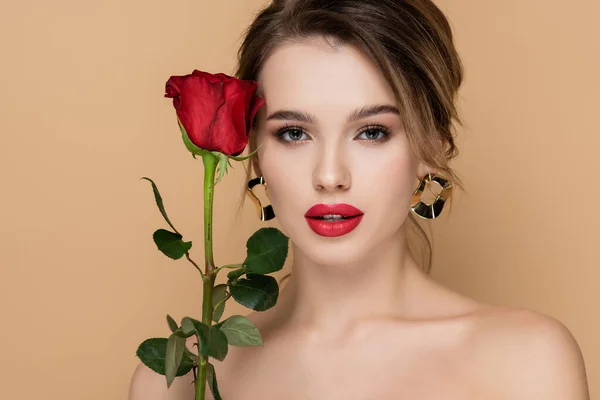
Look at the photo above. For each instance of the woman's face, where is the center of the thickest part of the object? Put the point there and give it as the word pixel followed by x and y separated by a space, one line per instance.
pixel 314 151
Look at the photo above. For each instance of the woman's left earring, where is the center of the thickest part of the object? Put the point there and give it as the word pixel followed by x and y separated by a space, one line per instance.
pixel 433 210
pixel 265 213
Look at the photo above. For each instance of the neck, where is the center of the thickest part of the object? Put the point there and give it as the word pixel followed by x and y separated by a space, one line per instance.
pixel 328 300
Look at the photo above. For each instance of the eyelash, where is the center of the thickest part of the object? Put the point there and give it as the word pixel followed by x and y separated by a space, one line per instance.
pixel 386 133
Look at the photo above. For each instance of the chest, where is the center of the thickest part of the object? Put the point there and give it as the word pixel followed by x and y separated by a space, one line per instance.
pixel 359 384
pixel 372 372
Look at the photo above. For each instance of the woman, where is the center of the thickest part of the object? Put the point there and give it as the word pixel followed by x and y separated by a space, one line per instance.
pixel 360 109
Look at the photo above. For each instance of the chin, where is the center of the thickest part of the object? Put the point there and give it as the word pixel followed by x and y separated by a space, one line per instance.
pixel 356 247
pixel 335 260
pixel 333 252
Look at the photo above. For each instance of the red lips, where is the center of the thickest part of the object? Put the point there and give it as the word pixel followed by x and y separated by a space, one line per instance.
pixel 332 228
pixel 345 210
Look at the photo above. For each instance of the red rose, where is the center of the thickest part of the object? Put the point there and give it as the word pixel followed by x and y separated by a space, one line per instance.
pixel 216 110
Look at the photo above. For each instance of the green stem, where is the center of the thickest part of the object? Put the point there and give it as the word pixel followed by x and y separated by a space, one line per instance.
pixel 210 166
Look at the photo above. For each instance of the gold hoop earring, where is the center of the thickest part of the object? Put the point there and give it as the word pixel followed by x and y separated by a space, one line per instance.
pixel 430 211
pixel 265 213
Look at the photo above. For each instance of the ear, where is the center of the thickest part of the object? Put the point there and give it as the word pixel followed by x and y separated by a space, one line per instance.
pixel 424 169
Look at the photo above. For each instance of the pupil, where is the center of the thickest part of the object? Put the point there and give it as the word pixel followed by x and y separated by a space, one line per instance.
pixel 295 134
pixel 373 133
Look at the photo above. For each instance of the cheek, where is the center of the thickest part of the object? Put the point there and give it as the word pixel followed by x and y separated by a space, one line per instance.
pixel 400 177
pixel 283 173
pixel 391 171
pixel 385 186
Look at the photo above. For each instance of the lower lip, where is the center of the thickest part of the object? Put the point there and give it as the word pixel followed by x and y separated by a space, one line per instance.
pixel 332 229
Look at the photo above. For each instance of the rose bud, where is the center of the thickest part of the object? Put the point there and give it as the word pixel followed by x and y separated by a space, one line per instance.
pixel 215 110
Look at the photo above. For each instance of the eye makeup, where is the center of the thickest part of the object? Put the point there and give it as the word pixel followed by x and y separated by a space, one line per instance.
pixel 381 132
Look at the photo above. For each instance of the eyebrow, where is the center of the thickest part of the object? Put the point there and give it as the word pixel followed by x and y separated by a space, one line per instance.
pixel 355 115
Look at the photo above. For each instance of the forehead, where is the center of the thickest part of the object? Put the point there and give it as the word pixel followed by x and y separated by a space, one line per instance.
pixel 312 74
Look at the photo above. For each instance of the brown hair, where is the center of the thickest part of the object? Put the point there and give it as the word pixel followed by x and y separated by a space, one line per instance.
pixel 411 43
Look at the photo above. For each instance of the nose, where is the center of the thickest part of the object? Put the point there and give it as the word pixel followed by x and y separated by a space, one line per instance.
pixel 331 172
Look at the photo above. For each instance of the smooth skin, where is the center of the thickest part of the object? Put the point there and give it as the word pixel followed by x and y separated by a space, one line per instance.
pixel 358 319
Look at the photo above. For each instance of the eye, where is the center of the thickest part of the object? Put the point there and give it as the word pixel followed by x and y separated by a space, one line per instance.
pixel 290 134
pixel 374 133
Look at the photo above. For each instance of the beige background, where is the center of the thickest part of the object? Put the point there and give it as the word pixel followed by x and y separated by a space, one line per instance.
pixel 83 118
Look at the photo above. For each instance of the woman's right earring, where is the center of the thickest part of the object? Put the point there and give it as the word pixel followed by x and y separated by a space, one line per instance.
pixel 265 213
pixel 431 211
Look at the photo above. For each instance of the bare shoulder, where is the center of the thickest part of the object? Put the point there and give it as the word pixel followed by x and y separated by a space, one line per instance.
pixel 148 385
pixel 527 355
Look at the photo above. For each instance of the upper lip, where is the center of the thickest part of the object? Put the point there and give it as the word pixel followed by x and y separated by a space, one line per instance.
pixel 345 210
